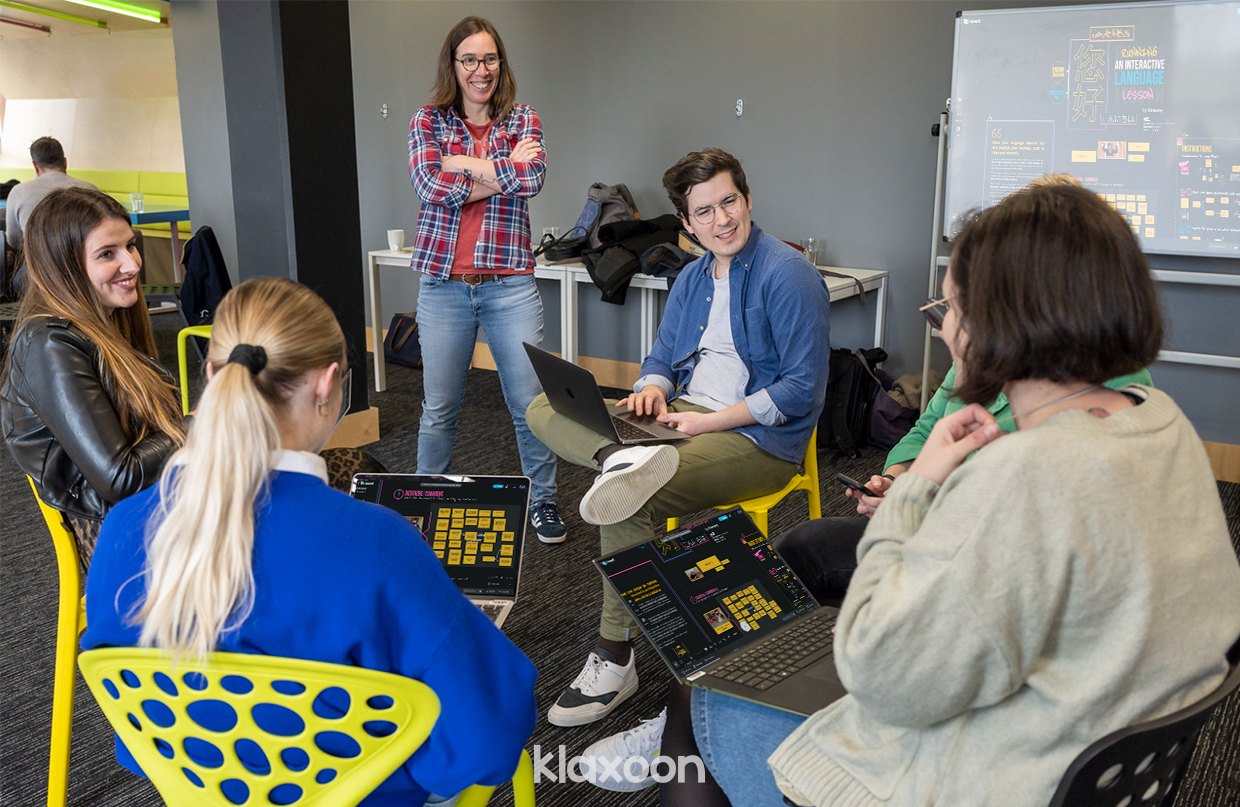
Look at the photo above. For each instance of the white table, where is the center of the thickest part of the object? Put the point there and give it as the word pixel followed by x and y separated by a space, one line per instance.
pixel 650 285
pixel 571 274
pixel 386 257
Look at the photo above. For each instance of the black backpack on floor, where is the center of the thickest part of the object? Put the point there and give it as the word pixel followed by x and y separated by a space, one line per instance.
pixel 844 424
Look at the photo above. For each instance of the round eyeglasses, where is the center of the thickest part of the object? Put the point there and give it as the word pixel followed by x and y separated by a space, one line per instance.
pixel 730 204
pixel 471 62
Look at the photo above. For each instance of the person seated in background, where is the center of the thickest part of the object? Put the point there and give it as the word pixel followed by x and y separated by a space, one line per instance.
pixel 1008 611
pixel 86 410
pixel 50 167
pixel 739 366
pixel 243 547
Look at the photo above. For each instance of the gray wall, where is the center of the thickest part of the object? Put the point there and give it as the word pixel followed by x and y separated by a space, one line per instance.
pixel 204 121
pixel 835 138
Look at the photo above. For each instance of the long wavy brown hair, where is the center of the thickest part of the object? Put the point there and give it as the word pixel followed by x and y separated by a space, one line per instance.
pixel 144 398
pixel 446 92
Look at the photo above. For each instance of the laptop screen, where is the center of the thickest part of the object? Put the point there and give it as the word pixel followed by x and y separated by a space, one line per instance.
pixel 475 524
pixel 702 592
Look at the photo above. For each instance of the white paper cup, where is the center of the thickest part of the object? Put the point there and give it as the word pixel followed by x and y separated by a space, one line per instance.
pixel 396 240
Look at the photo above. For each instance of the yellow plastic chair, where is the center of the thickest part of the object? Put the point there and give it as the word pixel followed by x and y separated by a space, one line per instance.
pixel 183 360
pixel 334 760
pixel 70 622
pixel 759 507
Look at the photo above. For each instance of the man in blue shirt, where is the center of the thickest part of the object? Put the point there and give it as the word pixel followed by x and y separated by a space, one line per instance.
pixel 739 366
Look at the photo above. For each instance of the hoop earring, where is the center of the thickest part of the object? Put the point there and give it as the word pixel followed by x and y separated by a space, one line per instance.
pixel 321 404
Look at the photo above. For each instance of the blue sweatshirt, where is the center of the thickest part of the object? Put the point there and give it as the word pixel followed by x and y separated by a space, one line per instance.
pixel 347 582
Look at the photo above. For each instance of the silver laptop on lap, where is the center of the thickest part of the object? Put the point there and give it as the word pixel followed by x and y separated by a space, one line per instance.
pixel 727 614
pixel 573 393
pixel 475 525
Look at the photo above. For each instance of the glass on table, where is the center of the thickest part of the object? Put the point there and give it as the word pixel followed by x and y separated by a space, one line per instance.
pixel 810 246
pixel 135 202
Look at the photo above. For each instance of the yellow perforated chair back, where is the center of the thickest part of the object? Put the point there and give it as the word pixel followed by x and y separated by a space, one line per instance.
pixel 70 622
pixel 250 729
pixel 759 507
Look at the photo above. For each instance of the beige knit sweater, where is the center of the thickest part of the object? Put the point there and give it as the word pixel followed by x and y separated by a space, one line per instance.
pixel 1067 581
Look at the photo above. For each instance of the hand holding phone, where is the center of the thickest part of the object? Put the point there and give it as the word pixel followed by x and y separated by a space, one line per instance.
pixel 857 486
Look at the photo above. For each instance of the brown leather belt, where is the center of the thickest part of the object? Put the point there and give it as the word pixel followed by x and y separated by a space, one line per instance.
pixel 474 280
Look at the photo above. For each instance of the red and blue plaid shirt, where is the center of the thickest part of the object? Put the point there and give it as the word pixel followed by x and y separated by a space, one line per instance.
pixel 504 241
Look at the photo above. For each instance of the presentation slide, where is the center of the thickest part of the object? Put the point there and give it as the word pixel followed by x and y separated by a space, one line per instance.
pixel 1140 102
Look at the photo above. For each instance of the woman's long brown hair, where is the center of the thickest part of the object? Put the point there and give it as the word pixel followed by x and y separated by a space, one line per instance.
pixel 55 247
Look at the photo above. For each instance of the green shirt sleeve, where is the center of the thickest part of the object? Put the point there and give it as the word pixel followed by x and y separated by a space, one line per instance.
pixel 910 445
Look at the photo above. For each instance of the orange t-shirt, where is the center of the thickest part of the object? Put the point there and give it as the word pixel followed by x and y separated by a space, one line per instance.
pixel 472 213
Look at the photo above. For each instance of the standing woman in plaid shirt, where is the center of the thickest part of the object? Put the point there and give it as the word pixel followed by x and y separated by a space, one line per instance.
pixel 475 156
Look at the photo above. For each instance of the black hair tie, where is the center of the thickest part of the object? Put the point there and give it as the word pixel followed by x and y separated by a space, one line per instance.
pixel 252 357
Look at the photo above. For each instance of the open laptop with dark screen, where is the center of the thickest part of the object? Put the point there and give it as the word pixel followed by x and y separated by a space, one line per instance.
pixel 475 525
pixel 727 614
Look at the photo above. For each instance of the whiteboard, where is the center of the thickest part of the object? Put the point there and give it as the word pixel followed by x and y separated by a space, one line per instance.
pixel 1139 101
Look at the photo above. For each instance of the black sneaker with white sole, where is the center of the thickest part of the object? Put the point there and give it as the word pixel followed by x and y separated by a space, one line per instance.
pixel 601 686
pixel 545 517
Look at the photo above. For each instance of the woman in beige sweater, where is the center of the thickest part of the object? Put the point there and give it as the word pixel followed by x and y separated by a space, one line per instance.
pixel 1073 578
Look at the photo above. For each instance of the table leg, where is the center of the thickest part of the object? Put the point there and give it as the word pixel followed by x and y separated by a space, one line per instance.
pixel 880 314
pixel 568 318
pixel 178 271
pixel 376 324
pixel 649 325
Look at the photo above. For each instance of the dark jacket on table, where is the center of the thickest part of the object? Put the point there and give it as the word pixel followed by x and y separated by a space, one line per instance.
pixel 60 425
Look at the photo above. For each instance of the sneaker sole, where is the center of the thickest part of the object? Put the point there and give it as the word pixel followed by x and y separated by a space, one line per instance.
pixel 622 493
pixel 554 539
pixel 582 715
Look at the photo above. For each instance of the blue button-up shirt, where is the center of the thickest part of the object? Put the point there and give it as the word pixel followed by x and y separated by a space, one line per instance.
pixel 780 311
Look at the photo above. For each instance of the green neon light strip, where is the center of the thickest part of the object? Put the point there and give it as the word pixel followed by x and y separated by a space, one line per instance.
pixel 49 13
pixel 121 8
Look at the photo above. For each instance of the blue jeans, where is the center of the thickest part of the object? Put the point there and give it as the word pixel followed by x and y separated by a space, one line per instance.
pixel 449 313
pixel 734 739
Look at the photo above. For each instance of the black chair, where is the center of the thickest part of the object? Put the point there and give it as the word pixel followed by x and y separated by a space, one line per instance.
pixel 1141 765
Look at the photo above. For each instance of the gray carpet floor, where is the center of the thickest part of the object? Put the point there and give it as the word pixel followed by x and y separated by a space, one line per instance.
pixel 555 622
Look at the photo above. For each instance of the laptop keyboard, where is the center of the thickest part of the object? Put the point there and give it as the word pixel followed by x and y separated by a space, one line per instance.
pixel 765 665
pixel 627 431
pixel 492 609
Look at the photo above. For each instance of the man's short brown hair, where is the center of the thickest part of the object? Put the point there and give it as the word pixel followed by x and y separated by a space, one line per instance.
pixel 1051 284
pixel 698 167
pixel 46 152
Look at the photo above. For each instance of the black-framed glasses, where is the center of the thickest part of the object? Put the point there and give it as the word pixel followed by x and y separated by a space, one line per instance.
pixel 471 62
pixel 346 394
pixel 935 311
pixel 730 204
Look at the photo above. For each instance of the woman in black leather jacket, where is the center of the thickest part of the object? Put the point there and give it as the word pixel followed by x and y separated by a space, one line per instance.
pixel 85 409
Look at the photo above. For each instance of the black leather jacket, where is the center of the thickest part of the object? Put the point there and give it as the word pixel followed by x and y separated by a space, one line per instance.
pixel 60 425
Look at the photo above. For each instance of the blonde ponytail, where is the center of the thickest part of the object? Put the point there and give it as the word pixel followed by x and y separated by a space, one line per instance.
pixel 200 541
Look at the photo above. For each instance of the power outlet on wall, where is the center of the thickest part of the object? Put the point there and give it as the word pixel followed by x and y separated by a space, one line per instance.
pixel 554 232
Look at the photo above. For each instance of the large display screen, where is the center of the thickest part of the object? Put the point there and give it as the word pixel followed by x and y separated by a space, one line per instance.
pixel 1140 102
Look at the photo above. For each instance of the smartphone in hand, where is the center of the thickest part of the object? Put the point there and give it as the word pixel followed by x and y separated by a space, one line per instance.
pixel 857 486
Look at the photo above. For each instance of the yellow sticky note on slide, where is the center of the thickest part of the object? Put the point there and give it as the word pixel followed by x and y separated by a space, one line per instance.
pixel 1196 204
pixel 1149 232
pixel 1141 207
pixel 1149 219
pixel 1184 204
